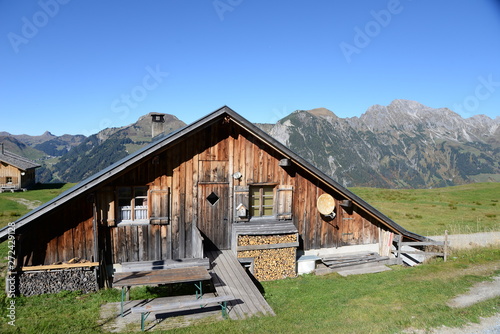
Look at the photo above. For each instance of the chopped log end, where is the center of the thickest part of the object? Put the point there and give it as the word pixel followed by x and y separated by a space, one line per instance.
pixel 247 240
pixel 54 281
pixel 270 264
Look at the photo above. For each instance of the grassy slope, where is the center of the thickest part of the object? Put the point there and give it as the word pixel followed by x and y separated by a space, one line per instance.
pixel 11 209
pixel 461 209
pixel 377 303
pixel 386 302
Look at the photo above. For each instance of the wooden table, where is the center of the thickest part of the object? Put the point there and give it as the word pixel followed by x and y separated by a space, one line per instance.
pixel 163 276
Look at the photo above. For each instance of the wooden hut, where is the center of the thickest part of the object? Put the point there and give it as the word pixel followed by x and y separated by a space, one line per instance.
pixel 220 183
pixel 16 172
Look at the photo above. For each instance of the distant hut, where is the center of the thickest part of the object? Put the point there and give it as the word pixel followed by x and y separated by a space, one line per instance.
pixel 16 172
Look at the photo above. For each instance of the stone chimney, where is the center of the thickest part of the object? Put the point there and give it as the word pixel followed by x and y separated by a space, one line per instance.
pixel 157 124
pixel 2 151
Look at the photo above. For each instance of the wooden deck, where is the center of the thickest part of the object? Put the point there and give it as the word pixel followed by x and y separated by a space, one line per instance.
pixel 230 278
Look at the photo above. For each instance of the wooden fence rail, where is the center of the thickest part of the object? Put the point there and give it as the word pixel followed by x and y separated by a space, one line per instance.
pixel 399 245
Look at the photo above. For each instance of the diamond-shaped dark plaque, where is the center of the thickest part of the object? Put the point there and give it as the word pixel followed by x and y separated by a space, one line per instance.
pixel 212 198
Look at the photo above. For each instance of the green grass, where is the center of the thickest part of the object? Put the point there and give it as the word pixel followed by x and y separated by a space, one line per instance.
pixel 385 302
pixel 462 209
pixel 11 209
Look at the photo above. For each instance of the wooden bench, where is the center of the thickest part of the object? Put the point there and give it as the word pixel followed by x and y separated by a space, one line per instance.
pixel 192 304
pixel 164 264
pixel 163 276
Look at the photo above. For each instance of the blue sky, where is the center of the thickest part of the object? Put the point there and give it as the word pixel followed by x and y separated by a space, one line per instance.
pixel 73 66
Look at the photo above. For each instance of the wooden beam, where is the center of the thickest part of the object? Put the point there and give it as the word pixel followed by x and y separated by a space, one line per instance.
pixel 423 253
pixel 60 266
pixel 423 243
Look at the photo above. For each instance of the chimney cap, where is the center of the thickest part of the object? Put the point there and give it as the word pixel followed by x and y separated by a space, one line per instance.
pixel 158 118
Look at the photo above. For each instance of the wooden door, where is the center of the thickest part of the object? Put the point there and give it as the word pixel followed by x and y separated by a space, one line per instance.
pixel 213 213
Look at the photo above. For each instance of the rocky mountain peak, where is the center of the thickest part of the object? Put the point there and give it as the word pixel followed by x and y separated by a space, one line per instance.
pixel 404 144
pixel 322 112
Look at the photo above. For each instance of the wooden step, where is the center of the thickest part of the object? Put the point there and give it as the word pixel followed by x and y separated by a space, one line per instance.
pixel 345 260
pixel 364 269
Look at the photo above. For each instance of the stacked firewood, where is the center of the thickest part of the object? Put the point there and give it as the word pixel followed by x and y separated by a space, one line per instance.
pixel 273 263
pixel 53 281
pixel 73 261
pixel 246 240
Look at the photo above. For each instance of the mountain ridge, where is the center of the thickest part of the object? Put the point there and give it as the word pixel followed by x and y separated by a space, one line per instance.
pixel 403 145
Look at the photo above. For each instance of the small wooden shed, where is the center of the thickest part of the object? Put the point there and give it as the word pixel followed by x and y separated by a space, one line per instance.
pixel 16 172
pixel 219 182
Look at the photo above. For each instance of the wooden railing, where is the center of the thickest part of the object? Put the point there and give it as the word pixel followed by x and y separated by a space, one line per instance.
pixel 400 244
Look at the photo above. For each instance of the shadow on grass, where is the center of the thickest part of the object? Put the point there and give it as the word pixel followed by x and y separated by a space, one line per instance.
pixel 42 186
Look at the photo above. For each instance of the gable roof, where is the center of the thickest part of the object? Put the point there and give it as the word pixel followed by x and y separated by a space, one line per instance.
pixel 198 125
pixel 16 160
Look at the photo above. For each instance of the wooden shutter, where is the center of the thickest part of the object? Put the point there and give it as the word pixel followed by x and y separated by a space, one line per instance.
pixel 241 196
pixel 106 206
pixel 160 206
pixel 284 200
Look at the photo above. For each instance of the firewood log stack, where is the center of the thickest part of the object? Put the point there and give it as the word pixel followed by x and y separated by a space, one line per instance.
pixel 272 263
pixel 53 281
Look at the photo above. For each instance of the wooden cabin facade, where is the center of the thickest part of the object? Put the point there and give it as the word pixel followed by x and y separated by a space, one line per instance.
pixel 16 172
pixel 191 189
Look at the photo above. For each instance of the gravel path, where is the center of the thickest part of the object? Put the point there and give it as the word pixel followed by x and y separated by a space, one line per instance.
pixel 489 325
pixel 479 292
pixel 29 204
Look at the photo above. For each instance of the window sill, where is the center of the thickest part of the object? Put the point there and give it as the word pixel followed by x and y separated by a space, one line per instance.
pixel 132 223
pixel 253 218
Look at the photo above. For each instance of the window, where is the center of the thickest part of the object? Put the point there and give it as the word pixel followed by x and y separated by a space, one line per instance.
pixel 8 179
pixel 133 204
pixel 213 198
pixel 261 201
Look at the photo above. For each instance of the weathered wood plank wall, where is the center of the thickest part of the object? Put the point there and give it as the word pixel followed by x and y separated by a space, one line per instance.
pixel 60 236
pixel 187 170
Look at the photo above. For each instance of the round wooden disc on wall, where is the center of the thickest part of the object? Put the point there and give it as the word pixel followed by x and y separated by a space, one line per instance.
pixel 325 204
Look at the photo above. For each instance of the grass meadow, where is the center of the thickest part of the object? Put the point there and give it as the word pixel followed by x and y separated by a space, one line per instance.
pixel 460 210
pixel 387 302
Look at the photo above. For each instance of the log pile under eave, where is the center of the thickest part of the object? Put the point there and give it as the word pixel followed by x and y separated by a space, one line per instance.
pixel 74 279
pixel 270 264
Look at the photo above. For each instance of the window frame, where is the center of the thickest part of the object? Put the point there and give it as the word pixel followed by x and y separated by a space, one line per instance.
pixel 261 206
pixel 132 194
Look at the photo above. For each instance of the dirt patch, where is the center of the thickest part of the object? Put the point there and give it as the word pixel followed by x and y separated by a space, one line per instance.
pixel 112 321
pixel 489 325
pixel 29 204
pixel 478 293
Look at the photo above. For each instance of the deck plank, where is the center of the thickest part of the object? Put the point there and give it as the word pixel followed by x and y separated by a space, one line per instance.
pixel 228 284
pixel 238 283
pixel 233 280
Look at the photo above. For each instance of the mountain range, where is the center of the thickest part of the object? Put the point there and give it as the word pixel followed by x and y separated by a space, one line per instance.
pixel 402 145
